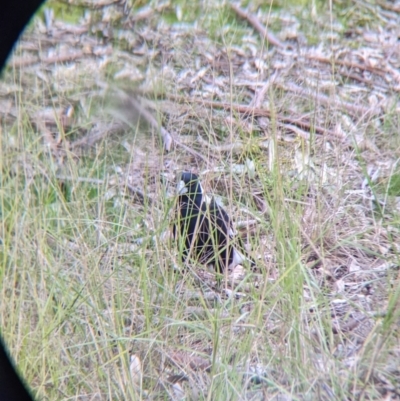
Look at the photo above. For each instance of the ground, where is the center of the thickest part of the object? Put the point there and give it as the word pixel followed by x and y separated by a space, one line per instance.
pixel 290 114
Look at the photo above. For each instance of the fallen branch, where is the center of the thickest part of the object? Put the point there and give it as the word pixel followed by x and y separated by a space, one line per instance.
pixel 260 94
pixel 136 193
pixel 93 5
pixel 143 112
pixel 97 133
pixel 258 112
pixel 62 58
pixel 94 181
pixel 350 64
pixel 389 6
pixel 258 26
pixel 146 12
pixel 230 147
pixel 328 101
pixel 167 137
pixel 296 130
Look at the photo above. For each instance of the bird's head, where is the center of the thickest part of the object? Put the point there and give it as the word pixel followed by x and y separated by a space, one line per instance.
pixel 189 185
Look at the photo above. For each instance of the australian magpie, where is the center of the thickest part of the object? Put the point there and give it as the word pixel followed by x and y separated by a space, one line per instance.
pixel 204 230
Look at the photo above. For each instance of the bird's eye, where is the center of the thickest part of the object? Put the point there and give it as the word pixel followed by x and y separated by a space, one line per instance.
pixel 182 188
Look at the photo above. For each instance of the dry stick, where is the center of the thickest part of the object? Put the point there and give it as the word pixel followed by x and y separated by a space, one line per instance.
pixel 375 70
pixel 336 329
pixel 80 179
pixel 137 193
pixel 390 7
pixel 323 99
pixel 231 147
pixel 314 248
pixel 147 12
pixel 368 82
pixel 258 112
pixel 167 137
pixel 358 78
pixel 63 58
pixel 296 130
pixel 97 133
pixel 93 5
pixel 260 94
pixel 256 24
pixel 350 64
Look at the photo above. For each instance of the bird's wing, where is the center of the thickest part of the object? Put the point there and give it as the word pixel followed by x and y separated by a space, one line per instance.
pixel 226 234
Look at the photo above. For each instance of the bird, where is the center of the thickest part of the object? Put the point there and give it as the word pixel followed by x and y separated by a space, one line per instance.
pixel 204 230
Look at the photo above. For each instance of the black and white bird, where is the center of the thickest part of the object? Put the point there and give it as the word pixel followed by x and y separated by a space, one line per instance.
pixel 204 230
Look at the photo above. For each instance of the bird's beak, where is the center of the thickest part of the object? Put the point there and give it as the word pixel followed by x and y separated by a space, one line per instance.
pixel 181 188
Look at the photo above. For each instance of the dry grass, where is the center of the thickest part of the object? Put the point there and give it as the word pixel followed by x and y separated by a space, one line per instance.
pixel 298 140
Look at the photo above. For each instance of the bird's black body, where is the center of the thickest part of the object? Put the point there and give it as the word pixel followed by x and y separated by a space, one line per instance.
pixel 204 230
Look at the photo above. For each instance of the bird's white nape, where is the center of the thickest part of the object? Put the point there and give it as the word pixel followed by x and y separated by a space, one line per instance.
pixel 181 188
pixel 201 188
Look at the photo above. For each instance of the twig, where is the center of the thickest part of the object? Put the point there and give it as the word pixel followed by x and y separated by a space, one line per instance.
pixel 344 63
pixel 93 5
pixel 388 6
pixel 258 112
pixel 260 94
pixel 166 136
pixel 246 224
pixel 230 147
pixel 323 99
pixel 190 150
pixel 63 58
pixel 146 12
pixel 256 24
pixel 97 133
pixel 138 194
pixel 80 179
pixel 337 329
pixel 299 132
pixel 367 82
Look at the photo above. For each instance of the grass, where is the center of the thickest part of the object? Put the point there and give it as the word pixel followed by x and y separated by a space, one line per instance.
pixel 88 275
